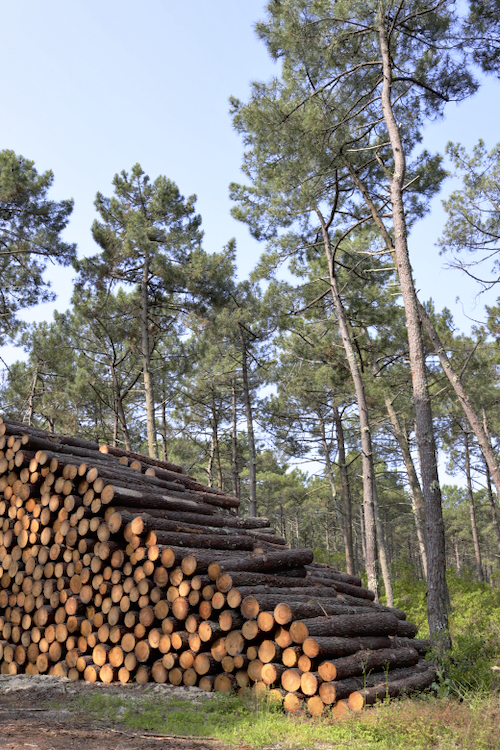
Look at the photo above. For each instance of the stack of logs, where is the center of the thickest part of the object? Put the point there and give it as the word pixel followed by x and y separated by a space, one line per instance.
pixel 116 566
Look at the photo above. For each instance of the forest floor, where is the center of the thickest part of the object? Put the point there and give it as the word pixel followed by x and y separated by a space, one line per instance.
pixel 51 713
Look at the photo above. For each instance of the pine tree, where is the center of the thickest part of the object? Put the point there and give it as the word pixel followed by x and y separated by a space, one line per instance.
pixel 150 238
pixel 30 237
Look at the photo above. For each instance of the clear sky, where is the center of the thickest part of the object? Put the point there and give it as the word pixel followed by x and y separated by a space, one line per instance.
pixel 90 88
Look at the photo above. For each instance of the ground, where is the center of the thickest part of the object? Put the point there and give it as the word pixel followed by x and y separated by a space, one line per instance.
pixel 44 713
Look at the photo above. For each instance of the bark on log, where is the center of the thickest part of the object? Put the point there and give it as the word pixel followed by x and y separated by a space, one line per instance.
pixel 205 541
pixel 320 647
pixel 369 624
pixel 422 645
pixel 369 696
pixel 344 688
pixel 323 569
pixel 363 662
pixel 262 563
pixel 343 588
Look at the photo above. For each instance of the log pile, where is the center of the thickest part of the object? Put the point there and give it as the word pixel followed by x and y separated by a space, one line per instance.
pixel 115 566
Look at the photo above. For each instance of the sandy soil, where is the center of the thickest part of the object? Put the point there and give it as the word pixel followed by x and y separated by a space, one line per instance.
pixel 36 713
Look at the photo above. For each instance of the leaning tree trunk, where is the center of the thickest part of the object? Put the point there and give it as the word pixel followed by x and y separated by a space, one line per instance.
pixel 417 500
pixel 366 442
pixel 493 507
pixel 478 429
pixel 494 514
pixel 437 592
pixel 472 509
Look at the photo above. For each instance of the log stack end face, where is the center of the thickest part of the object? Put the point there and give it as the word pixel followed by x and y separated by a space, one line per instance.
pixel 115 566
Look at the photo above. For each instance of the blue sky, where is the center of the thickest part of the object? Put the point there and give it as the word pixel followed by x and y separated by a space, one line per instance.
pixel 92 88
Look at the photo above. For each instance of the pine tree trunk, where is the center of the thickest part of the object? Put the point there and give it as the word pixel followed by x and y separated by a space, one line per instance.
pixel 382 549
pixel 472 509
pixel 346 493
pixel 164 427
pixel 366 443
pixel 210 461
pixel 234 442
pixel 215 436
pixel 146 361
pixel 341 519
pixel 494 513
pixel 478 429
pixel 252 480
pixel 120 412
pixel 437 593
pixel 31 397
pixel 417 500
pixel 457 557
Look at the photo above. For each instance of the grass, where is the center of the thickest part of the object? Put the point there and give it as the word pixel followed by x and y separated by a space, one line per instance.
pixel 425 723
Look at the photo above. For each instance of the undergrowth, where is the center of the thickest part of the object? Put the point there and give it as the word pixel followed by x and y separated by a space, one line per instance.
pixel 425 723
pixel 465 670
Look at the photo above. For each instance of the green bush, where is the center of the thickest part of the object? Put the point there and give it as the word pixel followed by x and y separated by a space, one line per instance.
pixel 474 630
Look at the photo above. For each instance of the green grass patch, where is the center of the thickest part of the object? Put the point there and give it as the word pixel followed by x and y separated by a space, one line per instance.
pixel 425 723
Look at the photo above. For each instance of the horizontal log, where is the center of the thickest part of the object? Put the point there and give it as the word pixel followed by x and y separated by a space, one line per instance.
pixel 323 569
pixel 20 428
pixel 119 452
pixel 217 518
pixel 363 662
pixel 369 624
pixel 356 601
pixel 321 647
pixel 369 696
pixel 344 588
pixel 136 499
pixel 407 629
pixel 422 645
pixel 205 541
pixel 285 612
pixel 262 563
pixel 344 688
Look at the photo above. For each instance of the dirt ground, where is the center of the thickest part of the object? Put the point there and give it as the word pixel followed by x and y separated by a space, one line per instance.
pixel 36 713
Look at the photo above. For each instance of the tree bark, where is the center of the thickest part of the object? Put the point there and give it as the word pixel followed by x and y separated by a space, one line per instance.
pixel 328 465
pixel 478 429
pixel 472 509
pixel 234 443
pixel 146 361
pixel 369 696
pixel 417 500
pixel 369 624
pixel 346 493
pixel 336 646
pixel 366 443
pixel 363 662
pixel 382 549
pixel 437 593
pixel 252 480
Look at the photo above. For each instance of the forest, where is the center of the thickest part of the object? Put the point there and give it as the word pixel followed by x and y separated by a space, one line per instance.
pixel 322 391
